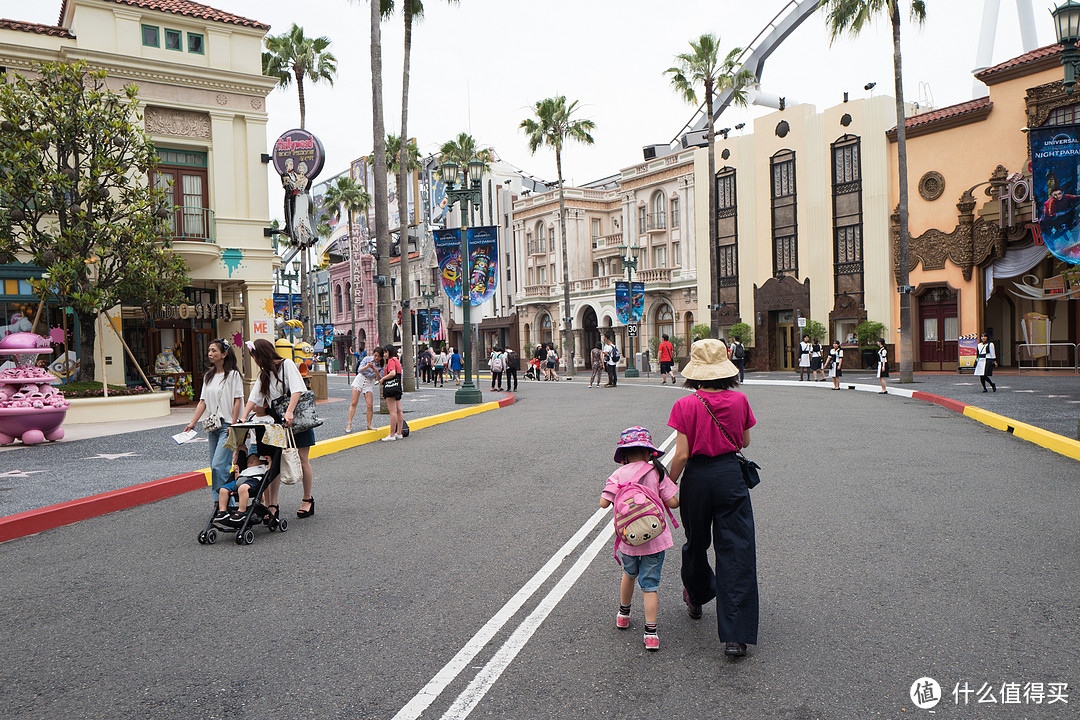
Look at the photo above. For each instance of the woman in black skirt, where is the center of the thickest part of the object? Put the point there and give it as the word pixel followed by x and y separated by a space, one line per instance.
pixel 712 424
pixel 985 359
pixel 882 365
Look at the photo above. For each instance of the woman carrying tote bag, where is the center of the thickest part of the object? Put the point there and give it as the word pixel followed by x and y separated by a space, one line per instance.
pixel 275 374
pixel 391 390
pixel 714 499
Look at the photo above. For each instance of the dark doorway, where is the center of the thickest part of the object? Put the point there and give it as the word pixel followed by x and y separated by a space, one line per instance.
pixel 590 334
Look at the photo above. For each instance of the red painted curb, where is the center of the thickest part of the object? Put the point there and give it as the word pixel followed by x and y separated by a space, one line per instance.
pixel 508 399
pixel 47 518
pixel 944 402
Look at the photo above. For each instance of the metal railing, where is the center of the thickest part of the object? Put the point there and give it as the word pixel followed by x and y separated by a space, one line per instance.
pixel 656 221
pixel 191 224
pixel 1047 356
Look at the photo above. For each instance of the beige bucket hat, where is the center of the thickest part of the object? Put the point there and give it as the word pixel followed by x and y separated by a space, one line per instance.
pixel 709 361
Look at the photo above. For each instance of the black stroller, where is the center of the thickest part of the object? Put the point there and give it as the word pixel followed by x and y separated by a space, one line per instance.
pixel 257 513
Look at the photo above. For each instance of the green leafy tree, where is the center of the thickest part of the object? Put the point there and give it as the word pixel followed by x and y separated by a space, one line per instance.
pixel 702 67
pixel 294 55
pixel 815 330
pixel 699 332
pixel 852 16
pixel 742 331
pixel 553 125
pixel 75 194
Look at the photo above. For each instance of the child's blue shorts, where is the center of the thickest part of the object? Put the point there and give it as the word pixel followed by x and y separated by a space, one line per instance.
pixel 646 568
pixel 234 485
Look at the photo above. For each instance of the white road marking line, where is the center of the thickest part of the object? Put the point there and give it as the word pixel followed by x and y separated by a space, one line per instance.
pixel 423 699
pixel 472 695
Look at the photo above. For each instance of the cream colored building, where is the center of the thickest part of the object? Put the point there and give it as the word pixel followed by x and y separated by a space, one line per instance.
pixel 202 93
pixel 802 223
pixel 648 207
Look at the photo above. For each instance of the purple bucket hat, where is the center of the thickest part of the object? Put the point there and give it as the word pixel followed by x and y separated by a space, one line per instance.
pixel 635 437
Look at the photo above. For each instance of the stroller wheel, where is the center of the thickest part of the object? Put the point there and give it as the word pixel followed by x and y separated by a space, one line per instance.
pixel 211 536
pixel 272 523
pixel 239 538
pixel 202 538
pixel 249 537
pixel 283 525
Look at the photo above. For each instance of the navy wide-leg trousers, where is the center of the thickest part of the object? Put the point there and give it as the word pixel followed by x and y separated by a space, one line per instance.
pixel 715 507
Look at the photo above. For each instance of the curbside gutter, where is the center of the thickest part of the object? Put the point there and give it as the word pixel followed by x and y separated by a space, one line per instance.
pixel 38 520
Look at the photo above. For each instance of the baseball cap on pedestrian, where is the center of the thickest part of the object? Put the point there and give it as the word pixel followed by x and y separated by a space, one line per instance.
pixel 709 361
pixel 635 437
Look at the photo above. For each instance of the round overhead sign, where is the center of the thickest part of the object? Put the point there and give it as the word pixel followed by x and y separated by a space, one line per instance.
pixel 298 153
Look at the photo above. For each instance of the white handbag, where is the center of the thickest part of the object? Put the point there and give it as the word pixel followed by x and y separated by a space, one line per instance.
pixel 290 472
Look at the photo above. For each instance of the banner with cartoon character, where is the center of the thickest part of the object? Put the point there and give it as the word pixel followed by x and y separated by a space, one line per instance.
pixel 1055 168
pixel 622 301
pixel 637 295
pixel 483 268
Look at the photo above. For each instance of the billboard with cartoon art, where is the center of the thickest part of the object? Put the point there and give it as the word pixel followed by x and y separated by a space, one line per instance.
pixel 1055 173
pixel 483 268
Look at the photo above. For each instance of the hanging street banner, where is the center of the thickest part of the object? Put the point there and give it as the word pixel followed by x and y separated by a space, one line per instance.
pixel 282 302
pixel 629 301
pixel 1055 159
pixel 429 327
pixel 622 301
pixel 483 274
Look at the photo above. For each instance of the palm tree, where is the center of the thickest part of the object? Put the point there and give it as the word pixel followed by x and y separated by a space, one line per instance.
pixel 702 67
pixel 345 194
pixel 552 126
pixel 292 54
pixel 395 153
pixel 852 16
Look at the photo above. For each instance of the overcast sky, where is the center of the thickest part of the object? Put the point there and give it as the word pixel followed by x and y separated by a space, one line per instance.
pixel 480 65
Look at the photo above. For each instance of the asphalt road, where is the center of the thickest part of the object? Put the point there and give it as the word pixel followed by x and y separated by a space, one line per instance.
pixel 896 540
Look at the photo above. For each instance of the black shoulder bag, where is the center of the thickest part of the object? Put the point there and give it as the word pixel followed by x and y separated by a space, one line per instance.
pixel 749 468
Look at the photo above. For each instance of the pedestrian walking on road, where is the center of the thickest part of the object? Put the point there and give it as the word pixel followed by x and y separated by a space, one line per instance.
pixel 834 363
pixel 713 424
pixel 640 550
pixel 985 360
pixel 737 353
pixel 596 360
pixel 440 368
pixel 221 400
pixel 513 364
pixel 367 374
pixel 882 365
pixel 496 362
pixel 393 397
pixel 455 365
pixel 611 363
pixel 804 357
pixel 275 374
pixel 666 354
pixel 551 366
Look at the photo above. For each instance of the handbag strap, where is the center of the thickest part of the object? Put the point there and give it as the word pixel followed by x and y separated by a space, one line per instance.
pixel 736 445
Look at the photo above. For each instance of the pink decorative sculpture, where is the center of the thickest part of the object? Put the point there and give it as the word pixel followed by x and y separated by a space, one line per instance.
pixel 31 409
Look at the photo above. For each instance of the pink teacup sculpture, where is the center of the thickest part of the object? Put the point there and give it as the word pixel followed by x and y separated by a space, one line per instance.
pixel 31 409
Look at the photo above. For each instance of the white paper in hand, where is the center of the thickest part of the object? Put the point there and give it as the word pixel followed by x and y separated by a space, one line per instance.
pixel 183 437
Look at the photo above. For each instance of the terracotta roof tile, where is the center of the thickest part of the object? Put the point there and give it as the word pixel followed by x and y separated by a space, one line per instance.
pixel 53 30
pixel 187 8
pixel 1043 53
pixel 971 110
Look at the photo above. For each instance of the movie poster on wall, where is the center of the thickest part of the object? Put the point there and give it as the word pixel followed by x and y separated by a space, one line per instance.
pixel 1055 173
pixel 483 272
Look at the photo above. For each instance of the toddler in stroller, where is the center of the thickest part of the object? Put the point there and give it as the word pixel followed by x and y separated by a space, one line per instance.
pixel 245 488
pixel 533 373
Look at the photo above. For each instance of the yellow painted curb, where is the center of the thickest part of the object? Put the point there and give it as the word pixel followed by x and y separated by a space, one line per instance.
pixel 1043 438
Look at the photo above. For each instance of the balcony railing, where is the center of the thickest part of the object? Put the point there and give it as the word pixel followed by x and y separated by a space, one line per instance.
pixel 191 224
pixel 604 242
pixel 656 221
pixel 537 290
pixel 654 275
pixel 592 284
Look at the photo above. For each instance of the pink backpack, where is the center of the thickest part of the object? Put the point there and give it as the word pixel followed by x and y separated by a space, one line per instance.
pixel 639 513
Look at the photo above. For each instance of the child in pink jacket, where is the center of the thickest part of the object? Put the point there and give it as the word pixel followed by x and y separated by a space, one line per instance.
pixel 636 453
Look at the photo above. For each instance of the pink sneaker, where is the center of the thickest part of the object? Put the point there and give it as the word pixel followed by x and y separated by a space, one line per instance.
pixel 652 642
pixel 622 621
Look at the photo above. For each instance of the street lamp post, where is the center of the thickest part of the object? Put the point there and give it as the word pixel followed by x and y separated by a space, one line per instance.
pixel 1067 28
pixel 469 193
pixel 630 261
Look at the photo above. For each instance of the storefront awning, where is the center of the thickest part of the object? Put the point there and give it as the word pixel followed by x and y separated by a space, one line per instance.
pixel 497 323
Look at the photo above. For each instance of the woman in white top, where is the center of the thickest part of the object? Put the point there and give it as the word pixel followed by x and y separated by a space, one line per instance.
pixel 221 398
pixel 882 365
pixel 835 362
pixel 804 357
pixel 441 361
pixel 985 360
pixel 275 373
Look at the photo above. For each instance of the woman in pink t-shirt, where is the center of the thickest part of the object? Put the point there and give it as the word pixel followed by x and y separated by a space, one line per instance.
pixel 714 500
